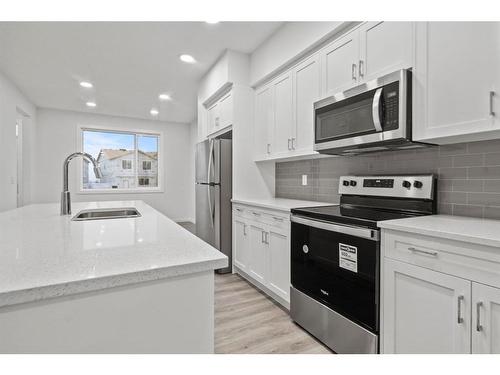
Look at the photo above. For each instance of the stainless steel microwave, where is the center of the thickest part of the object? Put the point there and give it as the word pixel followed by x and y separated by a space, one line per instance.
pixel 373 116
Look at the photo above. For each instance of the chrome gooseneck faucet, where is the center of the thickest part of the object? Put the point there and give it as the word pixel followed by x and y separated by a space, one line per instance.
pixel 65 196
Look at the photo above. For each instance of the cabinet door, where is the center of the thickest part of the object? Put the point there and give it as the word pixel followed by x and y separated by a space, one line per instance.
pixel 424 311
pixel 283 114
pixel 485 319
pixel 264 121
pixel 258 253
pixel 213 118
pixel 241 244
pixel 384 48
pixel 226 110
pixel 340 64
pixel 279 262
pixel 456 70
pixel 306 92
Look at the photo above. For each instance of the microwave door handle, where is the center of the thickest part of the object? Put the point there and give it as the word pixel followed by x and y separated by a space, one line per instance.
pixel 376 110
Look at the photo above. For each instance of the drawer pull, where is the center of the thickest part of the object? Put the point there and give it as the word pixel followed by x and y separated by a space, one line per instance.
pixel 415 250
pixel 256 213
pixel 460 320
pixel 277 218
pixel 479 327
pixel 239 209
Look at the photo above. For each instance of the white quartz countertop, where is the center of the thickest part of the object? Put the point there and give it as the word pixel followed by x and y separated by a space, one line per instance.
pixel 280 204
pixel 474 230
pixel 44 255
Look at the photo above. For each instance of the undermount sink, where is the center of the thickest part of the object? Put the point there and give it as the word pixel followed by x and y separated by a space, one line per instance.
pixel 106 213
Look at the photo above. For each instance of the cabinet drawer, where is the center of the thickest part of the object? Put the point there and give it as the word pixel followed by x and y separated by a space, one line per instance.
pixel 469 261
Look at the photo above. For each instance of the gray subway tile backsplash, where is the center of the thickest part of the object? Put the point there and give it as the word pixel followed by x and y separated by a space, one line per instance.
pixel 468 175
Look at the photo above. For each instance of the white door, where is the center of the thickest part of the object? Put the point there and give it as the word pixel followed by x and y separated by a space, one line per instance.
pixel 279 262
pixel 226 110
pixel 306 92
pixel 424 311
pixel 340 64
pixel 457 69
pixel 485 319
pixel 264 121
pixel 241 244
pixel 258 253
pixel 384 48
pixel 283 114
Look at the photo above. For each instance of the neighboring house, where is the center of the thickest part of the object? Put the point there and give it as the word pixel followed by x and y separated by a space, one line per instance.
pixel 118 168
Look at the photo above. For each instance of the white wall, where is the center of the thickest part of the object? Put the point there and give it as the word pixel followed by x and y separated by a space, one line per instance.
pixel 57 138
pixel 12 103
pixel 290 40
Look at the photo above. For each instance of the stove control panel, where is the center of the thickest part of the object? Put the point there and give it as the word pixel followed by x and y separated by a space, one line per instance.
pixel 420 187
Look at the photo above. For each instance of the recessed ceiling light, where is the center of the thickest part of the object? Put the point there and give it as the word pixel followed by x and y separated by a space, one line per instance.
pixel 154 112
pixel 212 22
pixel 91 104
pixel 187 59
pixel 86 84
pixel 164 97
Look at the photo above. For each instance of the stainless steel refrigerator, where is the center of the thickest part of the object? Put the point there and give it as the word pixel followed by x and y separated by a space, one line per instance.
pixel 213 194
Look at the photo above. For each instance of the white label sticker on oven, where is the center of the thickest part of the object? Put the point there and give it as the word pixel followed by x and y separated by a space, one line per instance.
pixel 348 257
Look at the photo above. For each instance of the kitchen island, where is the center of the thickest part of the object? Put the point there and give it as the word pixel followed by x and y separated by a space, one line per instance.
pixel 125 285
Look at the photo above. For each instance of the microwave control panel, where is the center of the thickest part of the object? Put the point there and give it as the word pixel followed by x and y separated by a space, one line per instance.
pixel 390 105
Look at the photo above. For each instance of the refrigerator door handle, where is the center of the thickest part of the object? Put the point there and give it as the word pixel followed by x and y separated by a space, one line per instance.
pixel 210 155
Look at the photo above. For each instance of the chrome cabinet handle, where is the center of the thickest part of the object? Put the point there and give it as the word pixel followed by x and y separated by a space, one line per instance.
pixel 492 95
pixel 256 213
pixel 239 209
pixel 479 327
pixel 244 229
pixel 415 250
pixel 268 148
pixel 293 143
pixel 267 237
pixel 361 68
pixel 353 71
pixel 289 147
pixel 460 320
pixel 262 237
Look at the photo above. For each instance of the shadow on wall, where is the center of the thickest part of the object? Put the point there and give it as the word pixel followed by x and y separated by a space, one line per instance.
pixel 468 175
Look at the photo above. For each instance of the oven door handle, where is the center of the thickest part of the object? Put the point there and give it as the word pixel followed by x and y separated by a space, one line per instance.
pixel 370 234
pixel 376 109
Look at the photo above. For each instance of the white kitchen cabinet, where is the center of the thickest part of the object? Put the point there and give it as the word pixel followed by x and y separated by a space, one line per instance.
pixel 306 91
pixel 219 112
pixel 384 48
pixel 283 114
pixel 213 118
pixel 261 249
pixel 365 53
pixel 264 121
pixel 457 81
pixel 485 319
pixel 226 110
pixel 425 311
pixel 241 243
pixel 258 252
pixel 340 64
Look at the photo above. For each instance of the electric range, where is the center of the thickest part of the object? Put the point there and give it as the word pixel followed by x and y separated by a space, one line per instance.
pixel 335 257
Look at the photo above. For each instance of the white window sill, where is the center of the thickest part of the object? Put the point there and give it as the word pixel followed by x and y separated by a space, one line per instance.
pixel 120 191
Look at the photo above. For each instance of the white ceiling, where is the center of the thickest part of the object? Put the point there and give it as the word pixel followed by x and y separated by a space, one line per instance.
pixel 129 63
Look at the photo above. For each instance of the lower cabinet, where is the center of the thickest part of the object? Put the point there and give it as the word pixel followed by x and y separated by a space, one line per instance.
pixel 261 250
pixel 433 297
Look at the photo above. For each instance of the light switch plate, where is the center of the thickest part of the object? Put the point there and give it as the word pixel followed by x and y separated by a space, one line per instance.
pixel 304 180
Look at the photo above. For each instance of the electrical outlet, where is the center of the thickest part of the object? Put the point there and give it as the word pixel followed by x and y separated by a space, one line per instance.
pixel 304 180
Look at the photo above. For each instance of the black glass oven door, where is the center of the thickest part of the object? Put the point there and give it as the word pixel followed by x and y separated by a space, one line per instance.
pixel 337 269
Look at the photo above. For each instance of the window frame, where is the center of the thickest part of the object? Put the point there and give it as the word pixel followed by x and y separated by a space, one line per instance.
pixel 137 132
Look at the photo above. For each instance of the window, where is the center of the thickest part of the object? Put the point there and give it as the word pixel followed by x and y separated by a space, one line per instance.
pixel 126 164
pixel 118 154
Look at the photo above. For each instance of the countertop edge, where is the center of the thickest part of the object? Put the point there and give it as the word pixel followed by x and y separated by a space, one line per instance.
pixel 46 292
pixel 460 237
pixel 273 206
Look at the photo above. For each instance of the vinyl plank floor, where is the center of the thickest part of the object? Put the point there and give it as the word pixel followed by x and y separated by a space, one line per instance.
pixel 247 321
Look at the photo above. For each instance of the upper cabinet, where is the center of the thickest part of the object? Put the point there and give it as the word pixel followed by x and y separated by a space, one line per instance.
pixel 283 114
pixel 365 53
pixel 264 122
pixel 220 114
pixel 457 81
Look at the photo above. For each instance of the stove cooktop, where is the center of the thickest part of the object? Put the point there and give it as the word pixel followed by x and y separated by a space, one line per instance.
pixel 353 215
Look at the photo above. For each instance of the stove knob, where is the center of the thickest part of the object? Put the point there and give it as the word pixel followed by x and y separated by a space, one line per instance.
pixel 305 249
pixel 345 183
pixel 418 184
pixel 353 183
pixel 407 184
